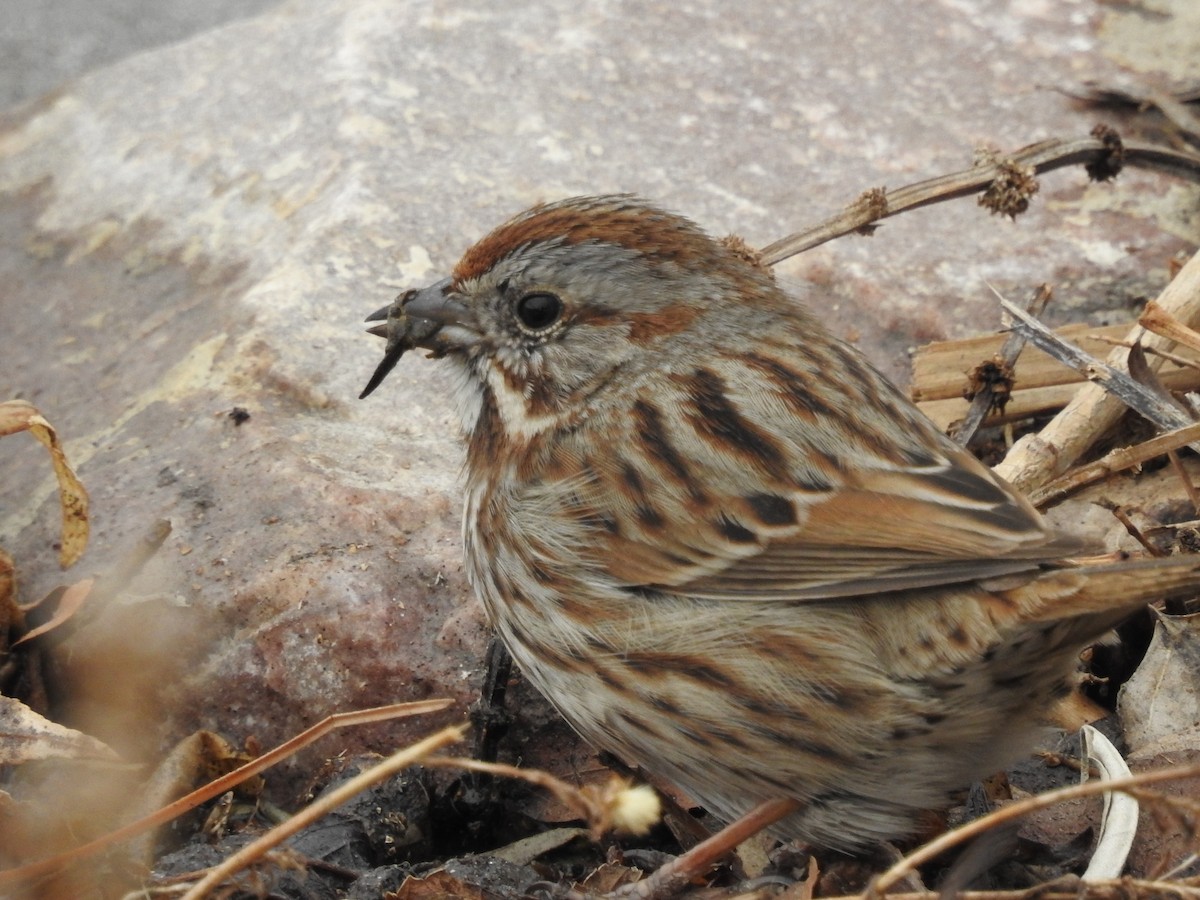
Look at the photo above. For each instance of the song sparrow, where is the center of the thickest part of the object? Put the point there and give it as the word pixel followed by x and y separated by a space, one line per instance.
pixel 725 546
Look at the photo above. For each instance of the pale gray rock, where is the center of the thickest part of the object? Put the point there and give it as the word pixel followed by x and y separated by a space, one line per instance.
pixel 44 43
pixel 204 227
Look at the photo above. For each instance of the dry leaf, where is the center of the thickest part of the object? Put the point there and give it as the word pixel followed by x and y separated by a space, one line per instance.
pixel 199 757
pixel 1160 705
pixel 25 736
pixel 1119 820
pixel 68 604
pixel 438 885
pixel 10 613
pixel 526 850
pixel 17 415
pixel 609 877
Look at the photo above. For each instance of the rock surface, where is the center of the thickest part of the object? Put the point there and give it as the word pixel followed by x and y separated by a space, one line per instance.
pixel 204 227
pixel 44 43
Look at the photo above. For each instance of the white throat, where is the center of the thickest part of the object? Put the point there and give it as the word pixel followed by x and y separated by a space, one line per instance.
pixel 513 407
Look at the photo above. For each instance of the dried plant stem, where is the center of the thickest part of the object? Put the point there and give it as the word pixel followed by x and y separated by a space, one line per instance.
pixel 1156 406
pixel 1149 351
pixel 971 830
pixel 1132 529
pixel 982 404
pixel 344 792
pixel 219 786
pixel 578 801
pixel 1042 157
pixel 1068 888
pixel 1036 458
pixel 1161 322
pixel 1189 486
pixel 1116 461
pixel 672 877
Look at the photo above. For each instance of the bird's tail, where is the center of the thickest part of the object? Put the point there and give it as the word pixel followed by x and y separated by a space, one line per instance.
pixel 1117 588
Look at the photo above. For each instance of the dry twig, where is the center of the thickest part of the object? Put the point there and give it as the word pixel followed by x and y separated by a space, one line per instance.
pixel 343 793
pixel 984 401
pixel 1160 410
pixel 31 871
pixel 1099 154
pixel 1159 320
pixel 1038 457
pixel 1116 461
pixel 1173 106
pixel 1013 811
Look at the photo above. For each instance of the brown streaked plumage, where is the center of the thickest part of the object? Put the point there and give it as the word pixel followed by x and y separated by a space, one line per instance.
pixel 725 546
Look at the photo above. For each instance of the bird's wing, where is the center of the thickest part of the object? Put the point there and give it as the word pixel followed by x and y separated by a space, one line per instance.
pixel 750 500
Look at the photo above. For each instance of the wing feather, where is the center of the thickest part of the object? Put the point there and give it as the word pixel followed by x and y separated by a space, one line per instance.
pixel 880 516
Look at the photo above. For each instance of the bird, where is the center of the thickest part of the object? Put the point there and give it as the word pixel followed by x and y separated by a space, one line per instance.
pixel 725 546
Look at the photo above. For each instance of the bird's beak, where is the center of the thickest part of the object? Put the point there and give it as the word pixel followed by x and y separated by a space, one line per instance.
pixel 437 303
pixel 431 317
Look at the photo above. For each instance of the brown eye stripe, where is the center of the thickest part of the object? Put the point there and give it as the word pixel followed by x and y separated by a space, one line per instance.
pixel 647 327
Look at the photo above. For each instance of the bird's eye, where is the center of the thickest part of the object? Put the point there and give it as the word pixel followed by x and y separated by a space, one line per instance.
pixel 539 311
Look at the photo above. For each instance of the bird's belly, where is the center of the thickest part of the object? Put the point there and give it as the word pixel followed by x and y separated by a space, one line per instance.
pixel 679 694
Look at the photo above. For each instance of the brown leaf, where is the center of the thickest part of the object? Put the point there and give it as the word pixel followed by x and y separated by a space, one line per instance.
pixel 17 415
pixel 609 877
pixel 197 758
pixel 1141 372
pixel 1160 705
pixel 25 736
pixel 1165 836
pixel 437 886
pixel 10 613
pixel 69 603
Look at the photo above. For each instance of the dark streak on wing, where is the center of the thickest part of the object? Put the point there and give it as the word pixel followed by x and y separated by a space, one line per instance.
pixel 734 531
pixel 653 433
pixel 792 386
pixel 771 509
pixel 717 420
pixel 969 485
